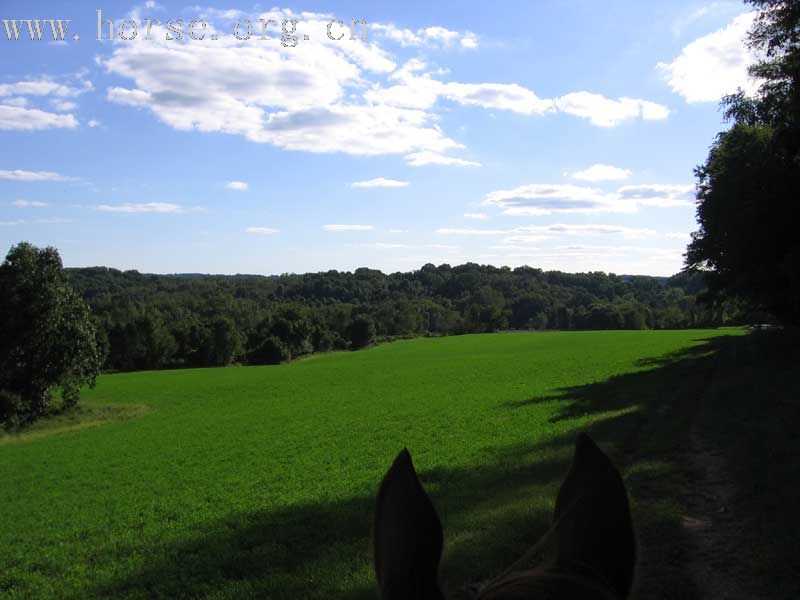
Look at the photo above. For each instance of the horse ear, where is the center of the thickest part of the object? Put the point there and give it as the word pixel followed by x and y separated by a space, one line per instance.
pixel 407 536
pixel 593 520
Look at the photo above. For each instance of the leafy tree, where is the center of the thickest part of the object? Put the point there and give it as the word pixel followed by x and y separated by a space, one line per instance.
pixel 749 185
pixel 49 339
pixel 270 351
pixel 226 342
pixel 361 332
pixel 142 315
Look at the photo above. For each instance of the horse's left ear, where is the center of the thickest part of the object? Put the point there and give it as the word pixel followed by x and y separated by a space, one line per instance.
pixel 408 536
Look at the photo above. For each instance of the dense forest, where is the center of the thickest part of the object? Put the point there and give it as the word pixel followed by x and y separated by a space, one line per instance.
pixel 157 321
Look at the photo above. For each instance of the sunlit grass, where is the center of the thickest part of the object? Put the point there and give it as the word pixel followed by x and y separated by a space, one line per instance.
pixel 260 480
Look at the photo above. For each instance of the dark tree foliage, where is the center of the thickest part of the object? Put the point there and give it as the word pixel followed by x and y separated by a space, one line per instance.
pixel 157 321
pixel 749 186
pixel 361 332
pixel 49 339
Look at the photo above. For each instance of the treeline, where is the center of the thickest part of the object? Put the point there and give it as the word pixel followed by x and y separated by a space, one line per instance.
pixel 157 321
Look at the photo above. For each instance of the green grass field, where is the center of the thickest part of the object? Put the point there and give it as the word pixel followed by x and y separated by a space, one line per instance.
pixel 260 481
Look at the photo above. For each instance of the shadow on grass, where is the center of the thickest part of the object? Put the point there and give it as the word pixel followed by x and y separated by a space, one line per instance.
pixel 491 513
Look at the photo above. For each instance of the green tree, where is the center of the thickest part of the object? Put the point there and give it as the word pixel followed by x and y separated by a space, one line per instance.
pixel 748 187
pixel 49 338
pixel 361 332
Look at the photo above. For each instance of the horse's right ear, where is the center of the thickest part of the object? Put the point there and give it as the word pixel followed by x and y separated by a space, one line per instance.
pixel 407 536
pixel 593 519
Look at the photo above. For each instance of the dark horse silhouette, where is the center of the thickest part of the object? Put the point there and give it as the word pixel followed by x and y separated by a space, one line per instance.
pixel 592 535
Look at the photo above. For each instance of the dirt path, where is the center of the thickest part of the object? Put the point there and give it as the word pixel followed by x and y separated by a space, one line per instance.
pixel 712 524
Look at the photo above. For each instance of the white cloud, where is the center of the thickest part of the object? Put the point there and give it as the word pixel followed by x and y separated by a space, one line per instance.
pixel 426 36
pixel 420 159
pixel 237 185
pixel 32 119
pixel 501 96
pixel 477 216
pixel 271 94
pixel 469 41
pixel 607 112
pixel 15 101
pixel 10 223
pixel 92 123
pixel 660 195
pixel 20 175
pixel 379 182
pixel 145 207
pixel 539 199
pixel 678 235
pixel 340 228
pixel 28 203
pixel 536 233
pixel 601 172
pixel 416 88
pixel 544 199
pixel 63 105
pixel 383 245
pixel 52 221
pixel 262 230
pixel 472 232
pixel 44 87
pixel 15 113
pixel 328 98
pixel 591 229
pixel 128 97
pixel 713 65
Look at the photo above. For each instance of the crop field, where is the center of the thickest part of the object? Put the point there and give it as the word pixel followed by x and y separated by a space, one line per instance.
pixel 260 481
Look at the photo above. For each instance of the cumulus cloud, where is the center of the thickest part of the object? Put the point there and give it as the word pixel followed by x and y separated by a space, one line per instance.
pixel 271 94
pixel 379 182
pixel 608 112
pixel 472 232
pixel 383 245
pixel 331 97
pixel 478 216
pixel 14 101
pixel 415 87
pixel 540 199
pixel 660 195
pixel 29 203
pixel 63 105
pixel 536 233
pixel 421 159
pixel 44 87
pixel 262 230
pixel 426 36
pixel 32 119
pixel 544 199
pixel 714 65
pixel 145 207
pixel 678 235
pixel 502 96
pixel 600 172
pixel 16 114
pixel 20 175
pixel 237 185
pixel 336 228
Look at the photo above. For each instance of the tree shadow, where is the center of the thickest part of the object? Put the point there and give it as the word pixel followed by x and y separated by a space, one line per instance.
pixel 491 512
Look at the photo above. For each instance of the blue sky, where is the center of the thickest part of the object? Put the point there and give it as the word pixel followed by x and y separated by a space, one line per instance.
pixel 556 134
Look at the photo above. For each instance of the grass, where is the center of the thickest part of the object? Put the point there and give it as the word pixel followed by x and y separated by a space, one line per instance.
pixel 260 481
